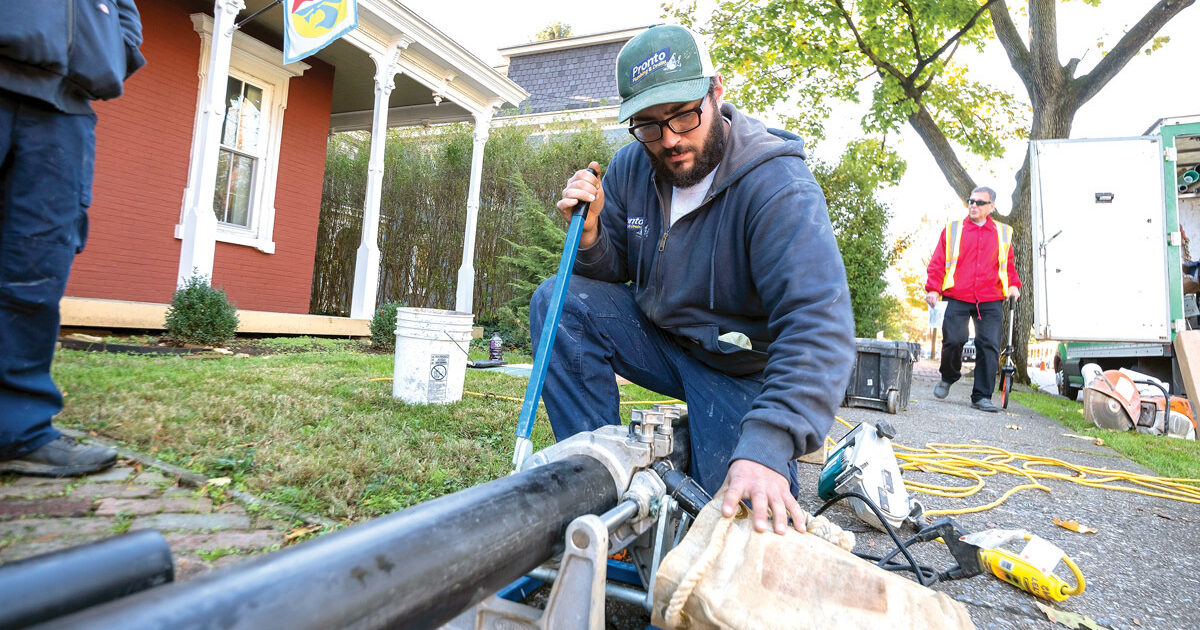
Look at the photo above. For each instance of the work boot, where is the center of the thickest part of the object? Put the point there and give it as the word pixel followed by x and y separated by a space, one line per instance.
pixel 985 405
pixel 63 457
pixel 941 390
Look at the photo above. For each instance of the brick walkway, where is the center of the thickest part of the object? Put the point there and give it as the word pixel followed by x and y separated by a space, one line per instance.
pixel 39 515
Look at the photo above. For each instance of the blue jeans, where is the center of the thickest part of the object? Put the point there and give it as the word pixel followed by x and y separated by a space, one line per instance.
pixel 989 319
pixel 46 160
pixel 602 333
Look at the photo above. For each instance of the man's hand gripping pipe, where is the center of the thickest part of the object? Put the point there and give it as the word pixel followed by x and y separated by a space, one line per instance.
pixel 541 362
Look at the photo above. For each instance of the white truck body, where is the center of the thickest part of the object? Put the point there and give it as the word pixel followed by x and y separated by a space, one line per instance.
pixel 1108 246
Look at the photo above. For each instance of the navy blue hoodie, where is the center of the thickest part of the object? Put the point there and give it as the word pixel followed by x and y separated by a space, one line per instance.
pixel 758 257
pixel 68 52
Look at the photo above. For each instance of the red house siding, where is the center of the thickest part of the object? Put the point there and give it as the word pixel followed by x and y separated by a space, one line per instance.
pixel 143 144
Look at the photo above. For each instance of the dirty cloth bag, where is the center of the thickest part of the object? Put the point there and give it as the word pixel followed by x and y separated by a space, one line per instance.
pixel 726 575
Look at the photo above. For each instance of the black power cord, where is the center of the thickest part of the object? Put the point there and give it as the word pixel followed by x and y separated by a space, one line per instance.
pixel 917 569
pixel 966 554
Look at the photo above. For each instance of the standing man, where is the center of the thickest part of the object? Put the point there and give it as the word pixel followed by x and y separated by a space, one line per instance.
pixel 707 271
pixel 56 56
pixel 973 269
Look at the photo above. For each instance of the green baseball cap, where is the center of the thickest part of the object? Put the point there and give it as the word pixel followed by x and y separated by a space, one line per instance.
pixel 664 64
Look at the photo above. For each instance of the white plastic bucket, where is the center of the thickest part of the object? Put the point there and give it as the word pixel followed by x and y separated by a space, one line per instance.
pixel 431 355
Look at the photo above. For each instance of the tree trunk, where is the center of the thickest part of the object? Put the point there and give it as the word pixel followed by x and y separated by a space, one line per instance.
pixel 1051 119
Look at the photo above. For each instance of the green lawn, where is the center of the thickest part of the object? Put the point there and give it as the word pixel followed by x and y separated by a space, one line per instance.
pixel 1167 457
pixel 308 429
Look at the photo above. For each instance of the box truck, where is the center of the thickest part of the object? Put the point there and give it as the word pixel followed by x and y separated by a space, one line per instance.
pixel 1111 221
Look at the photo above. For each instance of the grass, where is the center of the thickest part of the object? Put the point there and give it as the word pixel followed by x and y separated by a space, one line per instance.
pixel 311 429
pixel 212 555
pixel 122 523
pixel 1167 457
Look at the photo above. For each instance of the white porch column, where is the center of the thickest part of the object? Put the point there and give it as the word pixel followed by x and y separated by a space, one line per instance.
pixel 366 265
pixel 199 229
pixel 464 295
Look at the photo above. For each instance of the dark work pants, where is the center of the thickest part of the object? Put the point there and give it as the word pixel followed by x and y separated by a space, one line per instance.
pixel 602 332
pixel 45 187
pixel 989 319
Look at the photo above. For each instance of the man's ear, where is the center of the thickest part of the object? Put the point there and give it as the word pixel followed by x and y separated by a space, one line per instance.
pixel 718 89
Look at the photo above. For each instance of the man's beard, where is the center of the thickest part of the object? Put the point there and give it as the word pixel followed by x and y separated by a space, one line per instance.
pixel 704 162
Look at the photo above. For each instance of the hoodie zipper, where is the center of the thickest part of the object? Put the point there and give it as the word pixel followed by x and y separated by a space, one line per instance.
pixel 655 267
pixel 70 24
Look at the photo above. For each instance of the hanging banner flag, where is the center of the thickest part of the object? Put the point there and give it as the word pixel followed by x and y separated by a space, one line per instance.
pixel 310 25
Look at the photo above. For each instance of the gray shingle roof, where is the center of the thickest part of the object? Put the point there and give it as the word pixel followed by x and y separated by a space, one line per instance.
pixel 573 78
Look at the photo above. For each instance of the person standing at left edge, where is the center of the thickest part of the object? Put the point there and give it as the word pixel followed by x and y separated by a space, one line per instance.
pixel 973 269
pixel 56 56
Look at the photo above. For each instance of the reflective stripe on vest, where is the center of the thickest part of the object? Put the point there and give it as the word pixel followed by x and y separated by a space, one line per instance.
pixel 953 242
pixel 1004 233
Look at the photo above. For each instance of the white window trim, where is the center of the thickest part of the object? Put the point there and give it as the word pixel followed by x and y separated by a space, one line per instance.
pixel 261 65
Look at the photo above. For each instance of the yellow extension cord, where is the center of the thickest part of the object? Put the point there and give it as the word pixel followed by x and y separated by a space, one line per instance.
pixel 956 460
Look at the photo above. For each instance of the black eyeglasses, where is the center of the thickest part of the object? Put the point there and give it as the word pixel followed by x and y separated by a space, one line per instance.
pixel 682 122
pixel 977 202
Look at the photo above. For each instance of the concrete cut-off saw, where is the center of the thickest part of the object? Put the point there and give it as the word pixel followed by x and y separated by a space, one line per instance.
pixel 1113 400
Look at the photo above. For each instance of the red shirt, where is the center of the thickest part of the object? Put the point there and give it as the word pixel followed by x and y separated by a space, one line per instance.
pixel 977 277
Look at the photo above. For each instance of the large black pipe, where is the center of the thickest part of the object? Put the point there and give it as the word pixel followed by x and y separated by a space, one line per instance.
pixel 417 568
pixel 59 583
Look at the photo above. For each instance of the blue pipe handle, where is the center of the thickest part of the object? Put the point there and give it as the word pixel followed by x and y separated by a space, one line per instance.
pixel 541 362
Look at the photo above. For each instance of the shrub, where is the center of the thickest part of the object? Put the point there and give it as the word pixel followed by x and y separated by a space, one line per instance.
pixel 200 314
pixel 383 326
pixel 512 326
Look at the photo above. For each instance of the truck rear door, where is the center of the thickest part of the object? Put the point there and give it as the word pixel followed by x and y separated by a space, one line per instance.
pixel 1100 240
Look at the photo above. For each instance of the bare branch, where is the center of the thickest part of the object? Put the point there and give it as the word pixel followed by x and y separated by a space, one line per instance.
pixel 925 126
pixel 1069 69
pixel 1014 46
pixel 1133 40
pixel 922 63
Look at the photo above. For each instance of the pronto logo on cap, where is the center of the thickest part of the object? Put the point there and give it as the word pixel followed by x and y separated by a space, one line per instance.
pixel 649 64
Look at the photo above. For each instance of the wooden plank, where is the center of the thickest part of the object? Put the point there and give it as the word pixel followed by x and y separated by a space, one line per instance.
pixel 116 314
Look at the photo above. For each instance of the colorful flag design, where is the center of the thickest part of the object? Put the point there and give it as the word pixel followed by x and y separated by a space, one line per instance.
pixel 310 25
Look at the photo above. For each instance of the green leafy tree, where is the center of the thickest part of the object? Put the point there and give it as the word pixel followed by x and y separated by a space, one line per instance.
pixel 534 259
pixel 811 53
pixel 554 30
pixel 860 225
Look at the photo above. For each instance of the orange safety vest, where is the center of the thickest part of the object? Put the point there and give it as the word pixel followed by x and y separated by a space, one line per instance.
pixel 954 241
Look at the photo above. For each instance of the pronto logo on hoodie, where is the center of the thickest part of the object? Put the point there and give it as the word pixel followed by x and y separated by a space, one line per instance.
pixel 637 225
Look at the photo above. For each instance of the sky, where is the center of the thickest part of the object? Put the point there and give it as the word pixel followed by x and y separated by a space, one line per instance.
pixel 1163 84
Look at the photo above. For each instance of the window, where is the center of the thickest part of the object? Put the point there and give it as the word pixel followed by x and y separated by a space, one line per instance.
pixel 248 160
pixel 239 154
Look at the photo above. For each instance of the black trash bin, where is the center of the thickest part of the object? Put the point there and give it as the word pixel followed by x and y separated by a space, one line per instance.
pixel 882 374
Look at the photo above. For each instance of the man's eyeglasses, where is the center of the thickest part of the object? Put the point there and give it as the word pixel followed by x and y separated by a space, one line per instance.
pixel 682 122
pixel 977 202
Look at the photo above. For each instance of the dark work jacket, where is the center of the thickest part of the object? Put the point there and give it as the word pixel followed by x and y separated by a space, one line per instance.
pixel 757 257
pixel 68 52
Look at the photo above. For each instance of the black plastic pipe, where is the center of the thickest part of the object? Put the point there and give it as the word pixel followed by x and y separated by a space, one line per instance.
pixel 417 568
pixel 43 587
